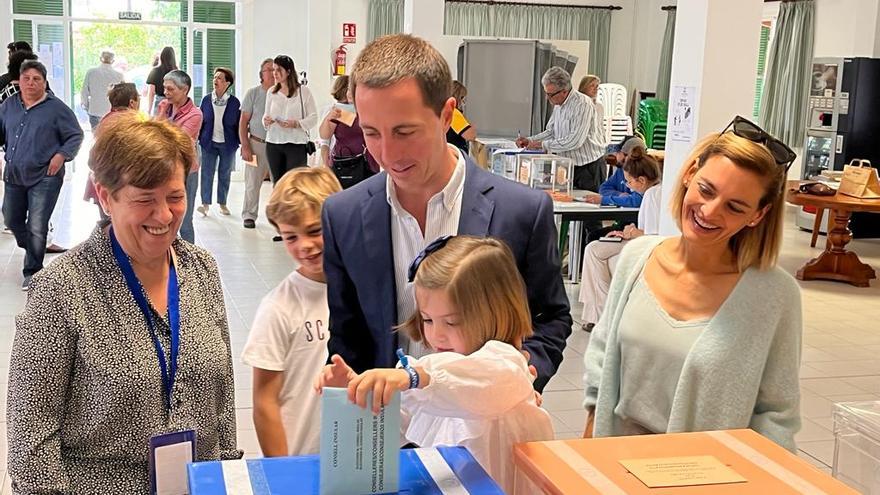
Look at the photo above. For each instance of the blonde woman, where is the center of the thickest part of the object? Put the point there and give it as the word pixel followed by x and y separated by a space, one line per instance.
pixel 702 331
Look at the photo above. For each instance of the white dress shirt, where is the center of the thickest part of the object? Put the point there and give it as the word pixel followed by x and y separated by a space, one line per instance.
pixel 217 136
pixel 407 240
pixel 300 107
pixel 574 130
pixel 95 87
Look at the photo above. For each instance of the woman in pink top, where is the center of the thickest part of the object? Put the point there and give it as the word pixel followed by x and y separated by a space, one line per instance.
pixel 179 109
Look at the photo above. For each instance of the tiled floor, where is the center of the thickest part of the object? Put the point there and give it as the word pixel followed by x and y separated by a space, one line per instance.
pixel 841 354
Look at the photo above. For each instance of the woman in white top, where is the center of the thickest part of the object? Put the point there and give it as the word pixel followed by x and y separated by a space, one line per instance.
pixel 702 331
pixel 290 113
pixel 475 390
pixel 642 174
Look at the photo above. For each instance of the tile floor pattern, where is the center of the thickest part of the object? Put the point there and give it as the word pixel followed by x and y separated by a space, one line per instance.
pixel 841 348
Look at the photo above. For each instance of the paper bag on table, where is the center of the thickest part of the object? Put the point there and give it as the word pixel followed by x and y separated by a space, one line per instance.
pixel 860 180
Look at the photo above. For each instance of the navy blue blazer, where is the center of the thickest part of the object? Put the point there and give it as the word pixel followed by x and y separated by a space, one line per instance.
pixel 230 122
pixel 359 266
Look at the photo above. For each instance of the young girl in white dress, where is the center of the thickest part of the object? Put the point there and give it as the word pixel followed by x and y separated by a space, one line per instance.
pixel 475 390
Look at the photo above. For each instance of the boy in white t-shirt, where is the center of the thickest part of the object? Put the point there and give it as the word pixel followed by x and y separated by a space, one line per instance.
pixel 287 345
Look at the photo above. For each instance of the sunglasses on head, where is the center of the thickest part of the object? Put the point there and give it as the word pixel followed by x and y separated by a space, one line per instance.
pixel 746 129
pixel 435 245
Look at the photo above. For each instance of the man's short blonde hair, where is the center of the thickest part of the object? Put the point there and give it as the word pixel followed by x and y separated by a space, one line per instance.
pixel 483 283
pixel 756 246
pixel 391 59
pixel 131 150
pixel 300 192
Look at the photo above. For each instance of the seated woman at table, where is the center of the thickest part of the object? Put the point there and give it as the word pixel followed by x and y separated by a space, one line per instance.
pixel 124 338
pixel 642 175
pixel 615 190
pixel 702 331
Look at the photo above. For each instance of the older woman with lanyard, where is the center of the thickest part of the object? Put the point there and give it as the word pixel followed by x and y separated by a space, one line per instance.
pixel 180 110
pixel 702 331
pixel 122 346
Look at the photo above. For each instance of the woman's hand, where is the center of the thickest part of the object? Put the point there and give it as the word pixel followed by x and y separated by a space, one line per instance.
pixel 588 429
pixel 593 198
pixel 337 374
pixel 382 382
pixel 334 114
pixel 267 121
pixel 629 232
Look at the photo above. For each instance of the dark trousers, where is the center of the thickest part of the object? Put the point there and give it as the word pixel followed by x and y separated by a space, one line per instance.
pixel 590 176
pixel 213 153
pixel 27 210
pixel 284 158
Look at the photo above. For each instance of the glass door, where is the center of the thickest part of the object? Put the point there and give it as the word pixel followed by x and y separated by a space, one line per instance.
pixel 49 45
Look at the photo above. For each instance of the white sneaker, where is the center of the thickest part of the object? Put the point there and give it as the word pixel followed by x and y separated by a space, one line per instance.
pixel 203 210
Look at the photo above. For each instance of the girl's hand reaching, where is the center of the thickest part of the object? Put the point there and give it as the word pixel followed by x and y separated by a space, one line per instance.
pixel 338 374
pixel 382 382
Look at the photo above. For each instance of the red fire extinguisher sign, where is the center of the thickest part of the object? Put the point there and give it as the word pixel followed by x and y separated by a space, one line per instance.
pixel 349 32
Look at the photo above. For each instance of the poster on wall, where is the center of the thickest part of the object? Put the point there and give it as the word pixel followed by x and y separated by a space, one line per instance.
pixel 683 107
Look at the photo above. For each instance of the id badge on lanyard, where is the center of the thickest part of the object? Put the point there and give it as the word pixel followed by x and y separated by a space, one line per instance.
pixel 169 453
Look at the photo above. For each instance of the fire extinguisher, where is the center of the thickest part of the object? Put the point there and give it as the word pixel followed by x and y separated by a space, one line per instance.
pixel 339 61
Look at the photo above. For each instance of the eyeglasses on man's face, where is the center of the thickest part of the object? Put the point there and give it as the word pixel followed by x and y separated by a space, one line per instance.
pixel 550 96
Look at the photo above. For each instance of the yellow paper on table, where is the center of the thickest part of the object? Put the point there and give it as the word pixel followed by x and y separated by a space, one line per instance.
pixel 681 471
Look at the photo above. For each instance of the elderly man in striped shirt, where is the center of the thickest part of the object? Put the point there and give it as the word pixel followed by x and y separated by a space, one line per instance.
pixel 573 131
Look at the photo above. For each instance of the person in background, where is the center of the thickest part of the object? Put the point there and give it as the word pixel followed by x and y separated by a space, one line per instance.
pixel 348 141
pixel 86 390
pixel 461 131
pixel 707 310
pixel 40 133
pixel 11 48
pixel 401 86
pixel 15 60
pixel 290 113
pixel 589 86
pixel 615 190
pixel 287 345
pixel 642 175
pixel 156 79
pixel 573 131
pixel 177 107
pixel 252 135
pixel 99 80
pixel 123 98
pixel 219 139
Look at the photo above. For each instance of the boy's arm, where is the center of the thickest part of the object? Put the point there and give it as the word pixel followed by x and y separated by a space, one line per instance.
pixel 267 412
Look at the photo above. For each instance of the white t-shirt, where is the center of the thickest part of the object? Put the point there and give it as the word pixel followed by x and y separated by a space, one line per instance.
pixel 649 211
pixel 289 334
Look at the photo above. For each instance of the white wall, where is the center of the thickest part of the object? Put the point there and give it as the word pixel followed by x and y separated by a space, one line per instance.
pixel 847 28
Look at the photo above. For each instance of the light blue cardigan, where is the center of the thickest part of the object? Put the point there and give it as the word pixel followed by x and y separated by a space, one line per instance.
pixel 742 372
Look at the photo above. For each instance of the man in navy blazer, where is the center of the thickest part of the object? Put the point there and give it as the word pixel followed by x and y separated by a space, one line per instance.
pixel 401 86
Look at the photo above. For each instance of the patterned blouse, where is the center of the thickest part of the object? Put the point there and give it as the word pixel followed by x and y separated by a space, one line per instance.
pixel 85 389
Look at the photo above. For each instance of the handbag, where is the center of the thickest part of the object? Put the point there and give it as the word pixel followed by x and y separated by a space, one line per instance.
pixel 860 180
pixel 310 145
pixel 351 170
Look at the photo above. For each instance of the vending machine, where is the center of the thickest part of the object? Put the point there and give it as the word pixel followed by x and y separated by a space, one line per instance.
pixel 843 122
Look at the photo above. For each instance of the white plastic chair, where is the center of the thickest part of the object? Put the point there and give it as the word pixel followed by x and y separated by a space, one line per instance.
pixel 613 98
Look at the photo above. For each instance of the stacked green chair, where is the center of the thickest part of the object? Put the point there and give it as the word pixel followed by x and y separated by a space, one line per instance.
pixel 652 122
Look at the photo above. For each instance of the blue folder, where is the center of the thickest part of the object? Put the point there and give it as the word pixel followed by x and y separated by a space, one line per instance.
pixel 300 475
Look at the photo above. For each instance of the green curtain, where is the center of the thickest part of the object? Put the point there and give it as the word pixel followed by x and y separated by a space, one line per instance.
pixel 384 17
pixel 787 79
pixel 537 22
pixel 664 71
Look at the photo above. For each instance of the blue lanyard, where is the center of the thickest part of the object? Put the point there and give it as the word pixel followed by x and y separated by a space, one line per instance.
pixel 137 291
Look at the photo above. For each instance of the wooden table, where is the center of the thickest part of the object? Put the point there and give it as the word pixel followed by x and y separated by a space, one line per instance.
pixel 835 262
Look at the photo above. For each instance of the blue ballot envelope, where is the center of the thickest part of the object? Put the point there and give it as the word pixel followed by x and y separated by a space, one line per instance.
pixel 436 471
